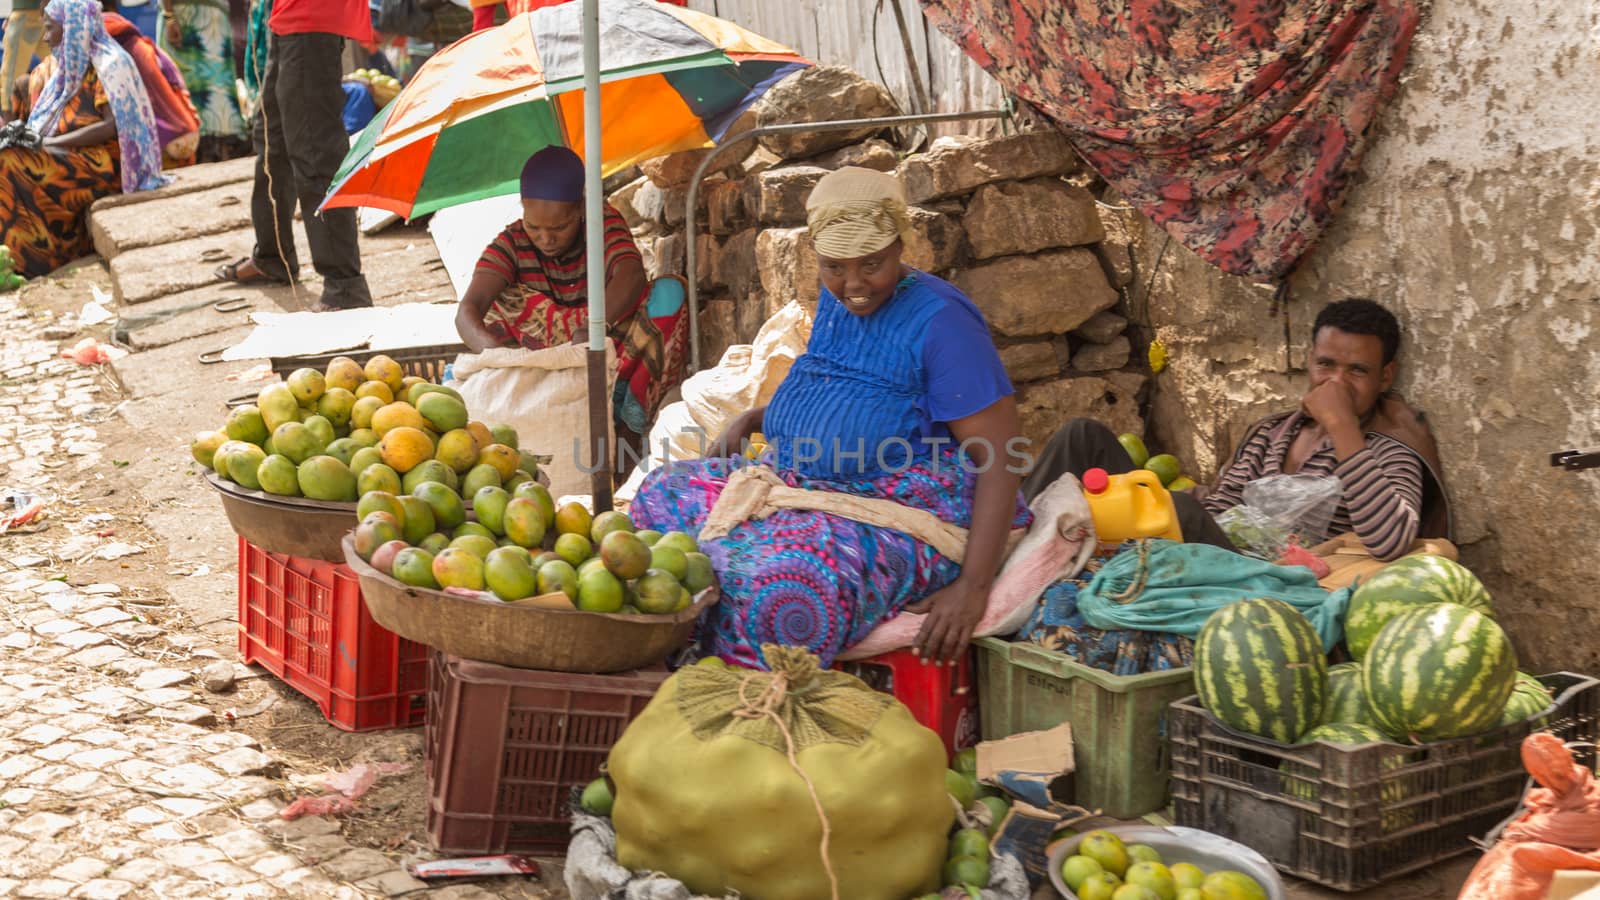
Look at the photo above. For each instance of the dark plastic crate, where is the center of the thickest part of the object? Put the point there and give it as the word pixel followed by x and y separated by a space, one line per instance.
pixel 304 621
pixel 504 749
pixel 424 362
pixel 1350 818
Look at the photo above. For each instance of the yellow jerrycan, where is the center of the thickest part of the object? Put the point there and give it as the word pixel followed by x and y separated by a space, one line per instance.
pixel 1133 505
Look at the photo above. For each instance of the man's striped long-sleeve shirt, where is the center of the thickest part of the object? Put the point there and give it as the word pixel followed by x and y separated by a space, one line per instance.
pixel 1381 484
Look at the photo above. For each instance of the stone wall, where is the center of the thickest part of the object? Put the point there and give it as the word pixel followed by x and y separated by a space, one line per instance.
pixel 1012 221
pixel 1474 219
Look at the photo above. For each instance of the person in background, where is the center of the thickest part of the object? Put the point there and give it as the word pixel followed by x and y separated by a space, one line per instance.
pixel 199 37
pixel 531 289
pixel 300 141
pixel 24 40
pixel 1348 424
pixel 255 47
pixel 177 121
pixel 84 130
pixel 483 13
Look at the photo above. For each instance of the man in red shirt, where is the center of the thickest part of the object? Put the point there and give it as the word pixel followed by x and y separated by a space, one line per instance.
pixel 300 141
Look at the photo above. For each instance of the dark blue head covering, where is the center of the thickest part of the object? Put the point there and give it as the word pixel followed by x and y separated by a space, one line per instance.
pixel 554 173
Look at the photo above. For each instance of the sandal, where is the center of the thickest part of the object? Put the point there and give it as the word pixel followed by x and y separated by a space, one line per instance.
pixel 230 272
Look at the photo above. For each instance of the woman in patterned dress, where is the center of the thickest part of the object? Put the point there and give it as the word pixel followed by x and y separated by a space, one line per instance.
pixel 531 289
pixel 198 35
pixel 84 129
pixel 899 370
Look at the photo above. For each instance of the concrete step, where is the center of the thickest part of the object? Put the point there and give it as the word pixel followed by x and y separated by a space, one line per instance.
pixel 165 220
pixel 139 276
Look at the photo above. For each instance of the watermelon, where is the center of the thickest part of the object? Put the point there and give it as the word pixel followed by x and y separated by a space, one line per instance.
pixel 1344 733
pixel 1402 585
pixel 1302 781
pixel 1529 699
pixel 1347 702
pixel 1259 669
pixel 1437 672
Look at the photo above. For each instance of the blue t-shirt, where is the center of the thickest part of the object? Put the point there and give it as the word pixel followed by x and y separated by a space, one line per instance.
pixel 872 394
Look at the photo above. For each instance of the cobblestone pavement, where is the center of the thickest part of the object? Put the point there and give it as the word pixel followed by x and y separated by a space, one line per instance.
pixel 120 776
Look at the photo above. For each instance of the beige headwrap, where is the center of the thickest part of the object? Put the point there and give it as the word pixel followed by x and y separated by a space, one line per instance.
pixel 854 211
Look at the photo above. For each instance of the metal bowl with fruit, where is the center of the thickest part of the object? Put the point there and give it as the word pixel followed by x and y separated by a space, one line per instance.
pixel 1140 862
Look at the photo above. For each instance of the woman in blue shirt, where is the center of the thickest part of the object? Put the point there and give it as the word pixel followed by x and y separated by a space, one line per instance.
pixel 900 396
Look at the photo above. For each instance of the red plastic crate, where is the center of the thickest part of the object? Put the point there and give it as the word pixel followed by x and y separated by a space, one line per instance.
pixel 505 747
pixel 944 698
pixel 304 621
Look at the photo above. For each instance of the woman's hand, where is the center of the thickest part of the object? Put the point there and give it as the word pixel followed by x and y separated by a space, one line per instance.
pixel 174 32
pixel 953 613
pixel 731 441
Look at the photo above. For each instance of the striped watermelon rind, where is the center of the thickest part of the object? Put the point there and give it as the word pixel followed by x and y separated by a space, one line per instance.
pixel 1259 668
pixel 1301 781
pixel 1404 584
pixel 1437 672
pixel 1529 699
pixel 1347 700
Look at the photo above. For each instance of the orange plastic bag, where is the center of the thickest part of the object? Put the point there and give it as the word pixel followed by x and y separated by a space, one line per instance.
pixel 1560 830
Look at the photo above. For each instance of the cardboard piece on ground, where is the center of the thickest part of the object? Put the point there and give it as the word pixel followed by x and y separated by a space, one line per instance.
pixel 461 232
pixel 1574 884
pixel 309 333
pixel 1047 753
pixel 1035 768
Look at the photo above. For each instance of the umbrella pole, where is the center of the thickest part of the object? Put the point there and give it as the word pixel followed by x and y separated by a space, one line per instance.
pixel 600 452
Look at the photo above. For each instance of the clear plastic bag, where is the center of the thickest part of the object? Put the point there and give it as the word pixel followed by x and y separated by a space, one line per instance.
pixel 1281 510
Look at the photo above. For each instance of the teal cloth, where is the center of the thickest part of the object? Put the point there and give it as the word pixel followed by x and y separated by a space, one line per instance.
pixel 1183 584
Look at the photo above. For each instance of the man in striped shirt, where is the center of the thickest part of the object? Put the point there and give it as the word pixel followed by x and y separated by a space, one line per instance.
pixel 1348 425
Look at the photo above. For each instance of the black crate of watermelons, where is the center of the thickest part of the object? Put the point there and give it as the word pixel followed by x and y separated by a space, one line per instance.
pixel 1352 817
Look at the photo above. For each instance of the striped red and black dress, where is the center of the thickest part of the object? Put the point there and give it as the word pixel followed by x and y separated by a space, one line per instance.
pixel 547 304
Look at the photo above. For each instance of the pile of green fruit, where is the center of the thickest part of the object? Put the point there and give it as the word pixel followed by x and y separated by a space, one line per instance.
pixel 9 279
pixel 967 861
pixel 339 434
pixel 1165 465
pixel 1104 868
pixel 521 546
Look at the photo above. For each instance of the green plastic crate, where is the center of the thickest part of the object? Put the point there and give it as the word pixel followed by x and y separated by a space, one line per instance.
pixel 1119 736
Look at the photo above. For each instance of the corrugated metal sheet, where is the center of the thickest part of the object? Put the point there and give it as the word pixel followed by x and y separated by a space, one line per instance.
pixel 835 32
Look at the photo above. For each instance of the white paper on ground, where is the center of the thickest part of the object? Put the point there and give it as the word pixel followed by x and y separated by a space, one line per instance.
pixel 461 232
pixel 382 328
pixel 372 221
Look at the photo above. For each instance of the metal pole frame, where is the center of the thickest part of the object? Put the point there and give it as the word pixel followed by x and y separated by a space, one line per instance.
pixel 595 252
pixel 692 201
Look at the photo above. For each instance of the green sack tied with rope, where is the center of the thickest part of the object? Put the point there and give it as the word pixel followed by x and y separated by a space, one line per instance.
pixel 794 784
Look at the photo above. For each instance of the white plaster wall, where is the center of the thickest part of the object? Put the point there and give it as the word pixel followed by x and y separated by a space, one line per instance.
pixel 1474 219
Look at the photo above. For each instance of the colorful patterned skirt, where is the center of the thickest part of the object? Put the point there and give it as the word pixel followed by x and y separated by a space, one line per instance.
pixel 205 57
pixel 807 578
pixel 44 203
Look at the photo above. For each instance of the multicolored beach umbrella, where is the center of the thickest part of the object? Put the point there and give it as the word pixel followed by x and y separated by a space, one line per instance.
pixel 671 79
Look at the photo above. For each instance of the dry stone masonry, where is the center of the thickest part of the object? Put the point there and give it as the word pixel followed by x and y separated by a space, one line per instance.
pixel 1013 221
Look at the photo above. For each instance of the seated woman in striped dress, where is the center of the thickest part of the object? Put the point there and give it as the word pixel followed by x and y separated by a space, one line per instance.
pixel 899 398
pixel 531 289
